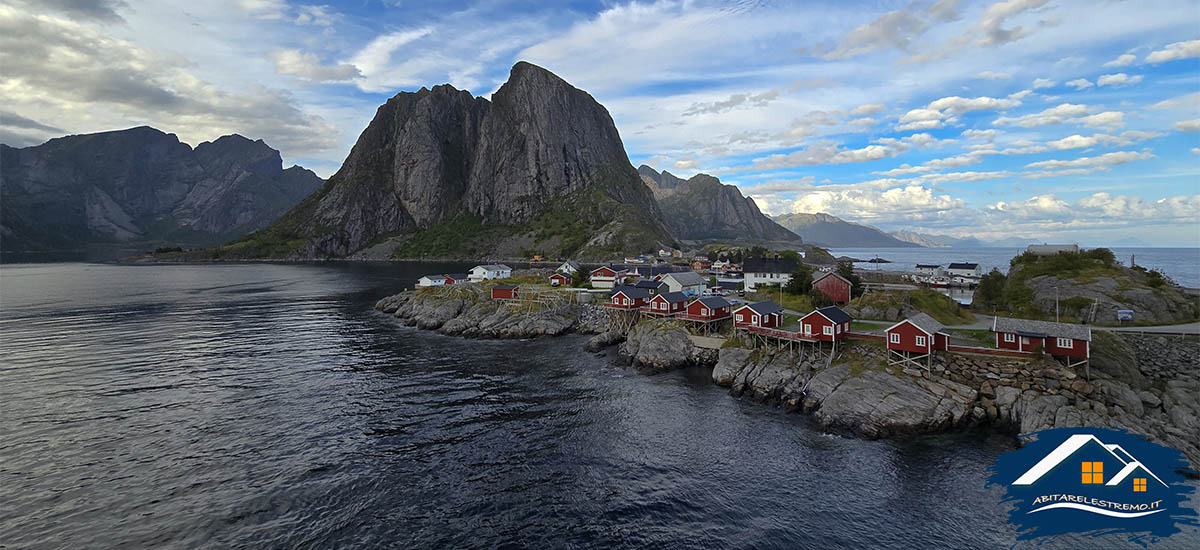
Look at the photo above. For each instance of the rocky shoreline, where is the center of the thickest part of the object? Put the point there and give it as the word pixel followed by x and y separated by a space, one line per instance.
pixel 1145 384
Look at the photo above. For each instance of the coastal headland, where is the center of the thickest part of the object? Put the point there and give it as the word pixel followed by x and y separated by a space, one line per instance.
pixel 1143 383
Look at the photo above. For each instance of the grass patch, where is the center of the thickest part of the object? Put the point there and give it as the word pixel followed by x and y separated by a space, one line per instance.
pixel 859 326
pixel 932 303
pixel 795 302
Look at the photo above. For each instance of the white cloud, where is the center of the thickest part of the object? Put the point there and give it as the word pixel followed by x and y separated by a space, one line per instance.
pixel 263 9
pixel 376 56
pixel 1178 50
pixel 1190 100
pixel 729 103
pixel 1122 61
pixel 919 125
pixel 909 203
pixel 867 109
pixel 990 31
pixel 1107 118
pixel 922 114
pixel 1043 83
pixel 1188 125
pixel 1196 150
pixel 958 105
pixel 895 29
pixel 1080 84
pixel 989 75
pixel 1053 115
pixel 865 121
pixel 320 16
pixel 307 66
pixel 1105 160
pixel 1119 79
pixel 987 135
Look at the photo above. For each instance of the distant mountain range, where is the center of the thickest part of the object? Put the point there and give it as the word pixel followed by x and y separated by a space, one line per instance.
pixel 829 231
pixel 142 185
pixel 702 208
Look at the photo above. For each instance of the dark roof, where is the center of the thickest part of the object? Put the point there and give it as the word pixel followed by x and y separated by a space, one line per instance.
pixel 632 292
pixel 769 265
pixel 963 266
pixel 615 268
pixel 828 273
pixel 834 313
pixel 504 287
pixel 674 297
pixel 686 278
pixel 765 307
pixel 714 302
pixel 458 276
pixel 561 274
pixel 925 323
pixel 929 265
pixel 1030 327
pixel 650 284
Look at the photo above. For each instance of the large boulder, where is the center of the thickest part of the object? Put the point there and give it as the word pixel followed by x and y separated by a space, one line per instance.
pixel 660 344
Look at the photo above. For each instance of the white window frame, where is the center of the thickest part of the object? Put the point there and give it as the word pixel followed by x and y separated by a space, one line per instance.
pixel 739 317
pixel 827 330
pixel 1010 337
pixel 920 341
pixel 1066 343
pixel 703 311
pixel 807 329
pixel 894 337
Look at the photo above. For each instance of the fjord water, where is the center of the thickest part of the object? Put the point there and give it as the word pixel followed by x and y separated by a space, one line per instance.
pixel 269 406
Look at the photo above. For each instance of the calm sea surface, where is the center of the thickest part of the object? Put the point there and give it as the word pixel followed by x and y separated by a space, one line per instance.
pixel 267 406
pixel 1181 264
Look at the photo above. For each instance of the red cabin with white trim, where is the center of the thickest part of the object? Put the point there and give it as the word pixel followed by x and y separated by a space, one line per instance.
pixel 627 297
pixel 560 279
pixel 917 334
pixel 764 314
pixel 826 324
pixel 1057 339
pixel 709 308
pixel 667 303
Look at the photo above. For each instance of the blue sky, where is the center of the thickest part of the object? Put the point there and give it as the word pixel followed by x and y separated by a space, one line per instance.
pixel 1052 119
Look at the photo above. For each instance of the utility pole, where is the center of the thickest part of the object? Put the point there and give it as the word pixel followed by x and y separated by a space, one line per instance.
pixel 1056 304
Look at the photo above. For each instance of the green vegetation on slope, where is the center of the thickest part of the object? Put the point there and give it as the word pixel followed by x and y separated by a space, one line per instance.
pixel 936 305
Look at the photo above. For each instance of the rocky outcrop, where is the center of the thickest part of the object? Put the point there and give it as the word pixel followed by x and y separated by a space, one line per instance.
pixel 1108 294
pixel 663 344
pixel 603 340
pixel 141 185
pixel 863 395
pixel 468 311
pixel 704 208
pixel 539 166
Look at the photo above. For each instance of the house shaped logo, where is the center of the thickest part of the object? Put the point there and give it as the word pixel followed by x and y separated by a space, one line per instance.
pixel 1094 481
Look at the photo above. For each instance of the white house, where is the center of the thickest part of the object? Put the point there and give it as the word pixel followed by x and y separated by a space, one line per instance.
pixel 929 270
pixel 569 266
pixel 689 283
pixel 767 271
pixel 431 280
pixel 964 270
pixel 489 271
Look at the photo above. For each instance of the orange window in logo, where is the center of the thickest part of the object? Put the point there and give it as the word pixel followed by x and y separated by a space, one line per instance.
pixel 1139 484
pixel 1093 472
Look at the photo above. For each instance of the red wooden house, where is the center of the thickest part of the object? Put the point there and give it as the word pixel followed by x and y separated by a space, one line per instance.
pixel 607 276
pixel 505 292
pixel 764 314
pixel 711 308
pixel 917 334
pixel 833 286
pixel 628 297
pixel 667 303
pixel 560 279
pixel 826 324
pixel 1071 342
pixel 456 278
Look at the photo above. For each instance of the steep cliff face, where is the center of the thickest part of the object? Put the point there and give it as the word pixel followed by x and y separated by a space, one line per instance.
pixel 142 184
pixel 704 208
pixel 539 168
pixel 827 230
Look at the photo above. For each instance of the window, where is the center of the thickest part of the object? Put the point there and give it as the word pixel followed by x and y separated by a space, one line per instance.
pixel 739 317
pixel 1065 343
pixel 894 337
pixel 703 311
pixel 920 340
pixel 839 329
pixel 827 330
pixel 1093 473
pixel 807 328
pixel 1010 337
pixel 1139 484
